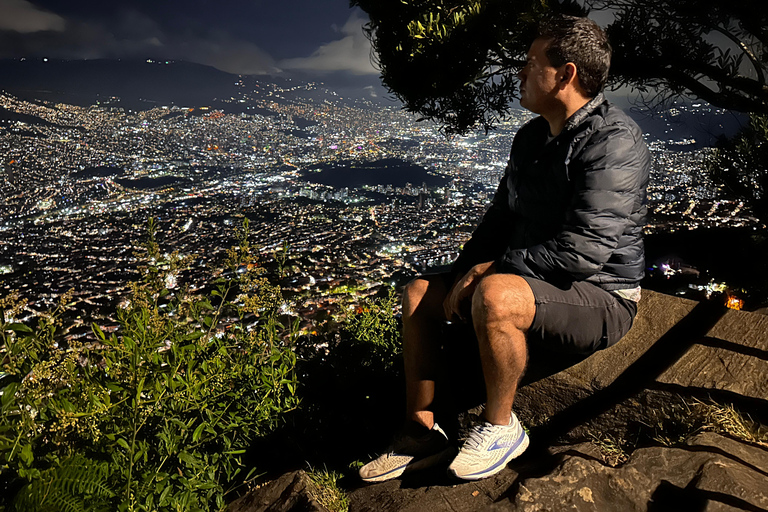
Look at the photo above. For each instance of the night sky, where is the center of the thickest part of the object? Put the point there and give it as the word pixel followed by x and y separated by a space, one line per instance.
pixel 238 36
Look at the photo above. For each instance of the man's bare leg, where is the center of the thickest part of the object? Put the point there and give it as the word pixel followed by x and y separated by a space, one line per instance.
pixel 422 319
pixel 503 308
pixel 416 448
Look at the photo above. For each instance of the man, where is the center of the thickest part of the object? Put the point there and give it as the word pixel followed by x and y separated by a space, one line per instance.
pixel 555 264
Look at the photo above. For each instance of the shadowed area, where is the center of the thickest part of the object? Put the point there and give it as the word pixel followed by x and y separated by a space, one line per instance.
pixel 601 420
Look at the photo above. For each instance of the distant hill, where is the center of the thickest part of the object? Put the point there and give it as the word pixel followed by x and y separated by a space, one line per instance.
pixel 138 84
pixel 702 124
pixel 141 85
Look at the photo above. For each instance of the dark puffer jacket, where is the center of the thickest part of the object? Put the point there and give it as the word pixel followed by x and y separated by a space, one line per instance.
pixel 571 208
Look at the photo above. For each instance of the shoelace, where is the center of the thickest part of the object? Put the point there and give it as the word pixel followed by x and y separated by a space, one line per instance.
pixel 479 435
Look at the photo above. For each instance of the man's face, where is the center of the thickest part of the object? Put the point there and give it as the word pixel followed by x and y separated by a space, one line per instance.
pixel 539 80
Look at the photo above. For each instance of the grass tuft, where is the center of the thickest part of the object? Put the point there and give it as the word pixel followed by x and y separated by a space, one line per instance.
pixel 327 491
pixel 725 419
pixel 613 450
pixel 675 424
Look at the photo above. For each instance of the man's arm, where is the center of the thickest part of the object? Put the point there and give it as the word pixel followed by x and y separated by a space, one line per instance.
pixel 463 288
pixel 607 176
pixel 488 241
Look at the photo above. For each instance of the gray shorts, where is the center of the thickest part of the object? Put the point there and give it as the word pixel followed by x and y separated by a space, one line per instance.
pixel 579 319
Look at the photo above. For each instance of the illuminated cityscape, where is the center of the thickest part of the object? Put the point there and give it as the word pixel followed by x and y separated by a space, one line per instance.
pixel 363 194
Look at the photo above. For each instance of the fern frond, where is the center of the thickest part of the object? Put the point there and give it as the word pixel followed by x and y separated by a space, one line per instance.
pixel 77 484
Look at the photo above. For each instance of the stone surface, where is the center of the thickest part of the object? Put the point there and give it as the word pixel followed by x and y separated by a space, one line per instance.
pixel 711 472
pixel 289 493
pixel 431 492
pixel 676 348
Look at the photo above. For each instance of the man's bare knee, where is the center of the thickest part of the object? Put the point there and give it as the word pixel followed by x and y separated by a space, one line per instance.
pixel 413 294
pixel 423 293
pixel 504 298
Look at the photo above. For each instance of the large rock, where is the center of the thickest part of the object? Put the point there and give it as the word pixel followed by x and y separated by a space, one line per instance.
pixel 710 472
pixel 292 492
pixel 677 349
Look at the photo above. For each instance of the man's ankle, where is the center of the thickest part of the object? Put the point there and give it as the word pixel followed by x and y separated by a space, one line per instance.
pixel 420 422
pixel 498 419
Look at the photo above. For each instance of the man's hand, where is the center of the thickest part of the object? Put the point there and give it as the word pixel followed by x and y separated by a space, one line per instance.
pixel 464 287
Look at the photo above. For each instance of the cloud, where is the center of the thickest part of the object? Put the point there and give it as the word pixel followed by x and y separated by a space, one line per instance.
pixel 132 35
pixel 225 54
pixel 352 53
pixel 22 16
pixel 141 36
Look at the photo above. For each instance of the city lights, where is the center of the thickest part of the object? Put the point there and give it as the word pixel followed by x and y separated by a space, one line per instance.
pixel 78 184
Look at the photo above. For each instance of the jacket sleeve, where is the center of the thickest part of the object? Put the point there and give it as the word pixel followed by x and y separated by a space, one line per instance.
pixel 486 244
pixel 605 176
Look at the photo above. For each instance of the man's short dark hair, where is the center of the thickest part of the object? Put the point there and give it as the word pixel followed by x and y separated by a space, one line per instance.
pixel 582 42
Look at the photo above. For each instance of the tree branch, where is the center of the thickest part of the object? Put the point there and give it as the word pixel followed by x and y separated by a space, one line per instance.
pixel 744 48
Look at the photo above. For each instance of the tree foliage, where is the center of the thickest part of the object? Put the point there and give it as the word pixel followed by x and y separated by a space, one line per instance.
pixel 455 61
pixel 452 61
pixel 740 164
pixel 715 50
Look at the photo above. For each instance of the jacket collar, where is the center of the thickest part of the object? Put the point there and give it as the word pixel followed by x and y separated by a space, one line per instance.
pixel 581 114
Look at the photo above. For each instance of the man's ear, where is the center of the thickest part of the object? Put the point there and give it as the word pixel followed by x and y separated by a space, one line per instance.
pixel 569 74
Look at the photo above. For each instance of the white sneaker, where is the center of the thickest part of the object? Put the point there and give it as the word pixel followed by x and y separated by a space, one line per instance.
pixel 488 449
pixel 409 454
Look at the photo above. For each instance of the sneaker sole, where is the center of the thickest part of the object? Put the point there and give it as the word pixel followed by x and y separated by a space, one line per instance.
pixel 496 468
pixel 427 462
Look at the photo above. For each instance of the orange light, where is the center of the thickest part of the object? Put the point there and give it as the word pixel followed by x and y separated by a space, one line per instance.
pixel 734 302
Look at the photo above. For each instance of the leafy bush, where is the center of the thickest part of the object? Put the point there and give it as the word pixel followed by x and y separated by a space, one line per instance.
pixel 157 415
pixel 373 326
pixel 351 389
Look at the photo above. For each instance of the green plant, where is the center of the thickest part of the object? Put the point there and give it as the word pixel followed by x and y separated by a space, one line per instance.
pixel 455 62
pixel 281 258
pixel 327 492
pixel 355 378
pixel 166 406
pixel 356 464
pixel 674 423
pixel 613 450
pixel 373 323
pixel 76 485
